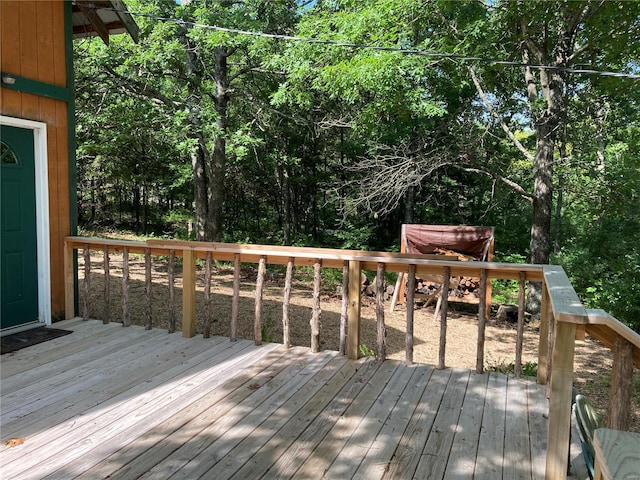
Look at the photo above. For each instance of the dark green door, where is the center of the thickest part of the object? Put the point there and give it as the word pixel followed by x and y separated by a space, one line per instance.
pixel 18 260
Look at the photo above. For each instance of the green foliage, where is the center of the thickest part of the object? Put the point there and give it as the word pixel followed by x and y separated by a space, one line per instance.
pixel 267 330
pixel 337 147
pixel 528 369
pixel 365 351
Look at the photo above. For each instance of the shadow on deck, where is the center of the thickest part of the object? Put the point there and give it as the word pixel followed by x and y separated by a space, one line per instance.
pixel 128 403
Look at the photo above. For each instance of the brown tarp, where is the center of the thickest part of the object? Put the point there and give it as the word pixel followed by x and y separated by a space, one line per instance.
pixel 472 241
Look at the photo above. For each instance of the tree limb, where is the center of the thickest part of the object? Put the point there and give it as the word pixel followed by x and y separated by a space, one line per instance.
pixel 143 89
pixel 495 115
pixel 509 183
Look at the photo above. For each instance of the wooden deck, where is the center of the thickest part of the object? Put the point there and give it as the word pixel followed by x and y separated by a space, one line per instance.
pixel 108 401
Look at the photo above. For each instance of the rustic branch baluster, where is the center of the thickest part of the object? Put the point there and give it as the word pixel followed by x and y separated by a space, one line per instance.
pixel 236 297
pixel 520 335
pixel 316 311
pixel 107 291
pixel 286 334
pixel 172 295
pixel 126 314
pixel 147 273
pixel 381 328
pixel 482 319
pixel 257 324
pixel 444 308
pixel 87 274
pixel 411 290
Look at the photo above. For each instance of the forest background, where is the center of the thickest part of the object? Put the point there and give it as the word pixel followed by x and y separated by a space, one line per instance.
pixel 336 121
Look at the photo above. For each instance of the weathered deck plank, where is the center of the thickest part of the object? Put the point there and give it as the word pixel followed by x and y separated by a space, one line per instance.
pixel 490 454
pixel 129 403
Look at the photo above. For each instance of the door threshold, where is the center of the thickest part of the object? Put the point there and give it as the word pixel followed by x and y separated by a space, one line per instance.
pixel 21 328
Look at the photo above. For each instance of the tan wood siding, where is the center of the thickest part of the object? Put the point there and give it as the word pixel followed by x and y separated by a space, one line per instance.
pixel 33 46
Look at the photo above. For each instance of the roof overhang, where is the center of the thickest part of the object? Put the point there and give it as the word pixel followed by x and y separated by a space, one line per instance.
pixel 102 18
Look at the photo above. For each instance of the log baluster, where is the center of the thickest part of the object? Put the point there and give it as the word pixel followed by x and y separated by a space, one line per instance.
pixel 482 319
pixel 126 314
pixel 236 297
pixel 381 328
pixel 172 295
pixel 257 324
pixel 316 311
pixel 444 307
pixel 87 289
pixel 520 332
pixel 147 291
pixel 411 290
pixel 107 284
pixel 286 332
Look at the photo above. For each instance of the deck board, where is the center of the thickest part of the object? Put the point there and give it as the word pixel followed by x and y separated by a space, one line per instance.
pixel 125 403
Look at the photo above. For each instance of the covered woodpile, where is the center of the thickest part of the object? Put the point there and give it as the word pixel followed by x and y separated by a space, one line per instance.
pixel 458 243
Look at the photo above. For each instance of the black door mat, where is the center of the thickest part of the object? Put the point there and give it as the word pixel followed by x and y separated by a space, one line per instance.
pixel 16 341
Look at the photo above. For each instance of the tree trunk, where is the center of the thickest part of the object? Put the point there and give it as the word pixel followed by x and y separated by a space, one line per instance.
pixel 409 203
pixel 199 191
pixel 217 166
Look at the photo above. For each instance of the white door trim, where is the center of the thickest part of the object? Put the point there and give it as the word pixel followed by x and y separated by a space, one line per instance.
pixel 42 216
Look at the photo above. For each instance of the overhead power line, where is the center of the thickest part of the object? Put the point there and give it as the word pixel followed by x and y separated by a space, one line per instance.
pixel 362 46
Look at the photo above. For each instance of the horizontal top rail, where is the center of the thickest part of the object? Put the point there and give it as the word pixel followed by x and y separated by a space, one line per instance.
pixel 332 258
pixel 565 304
pixel 603 327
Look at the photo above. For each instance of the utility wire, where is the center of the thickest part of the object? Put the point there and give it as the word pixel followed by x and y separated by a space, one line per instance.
pixel 362 46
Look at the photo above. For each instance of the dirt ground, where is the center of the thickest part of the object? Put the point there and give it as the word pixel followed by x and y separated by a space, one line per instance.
pixel 592 360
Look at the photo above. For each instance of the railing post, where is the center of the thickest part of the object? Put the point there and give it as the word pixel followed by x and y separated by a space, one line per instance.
pixel 208 314
pixel 543 339
pixel 353 315
pixel 559 432
pixel 188 293
pixel 344 308
pixel 621 384
pixel 69 297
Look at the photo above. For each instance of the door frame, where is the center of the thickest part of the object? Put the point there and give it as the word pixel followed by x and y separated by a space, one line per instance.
pixel 42 220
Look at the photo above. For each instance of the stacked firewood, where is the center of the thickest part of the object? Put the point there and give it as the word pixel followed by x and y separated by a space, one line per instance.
pixel 466 286
pixel 459 286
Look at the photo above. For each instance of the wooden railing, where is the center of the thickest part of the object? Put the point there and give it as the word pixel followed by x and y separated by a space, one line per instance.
pixel 563 316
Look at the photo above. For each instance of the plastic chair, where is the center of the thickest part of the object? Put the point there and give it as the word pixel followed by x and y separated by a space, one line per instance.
pixel 588 421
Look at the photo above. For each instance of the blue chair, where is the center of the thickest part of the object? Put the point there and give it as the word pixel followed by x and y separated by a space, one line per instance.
pixel 588 421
